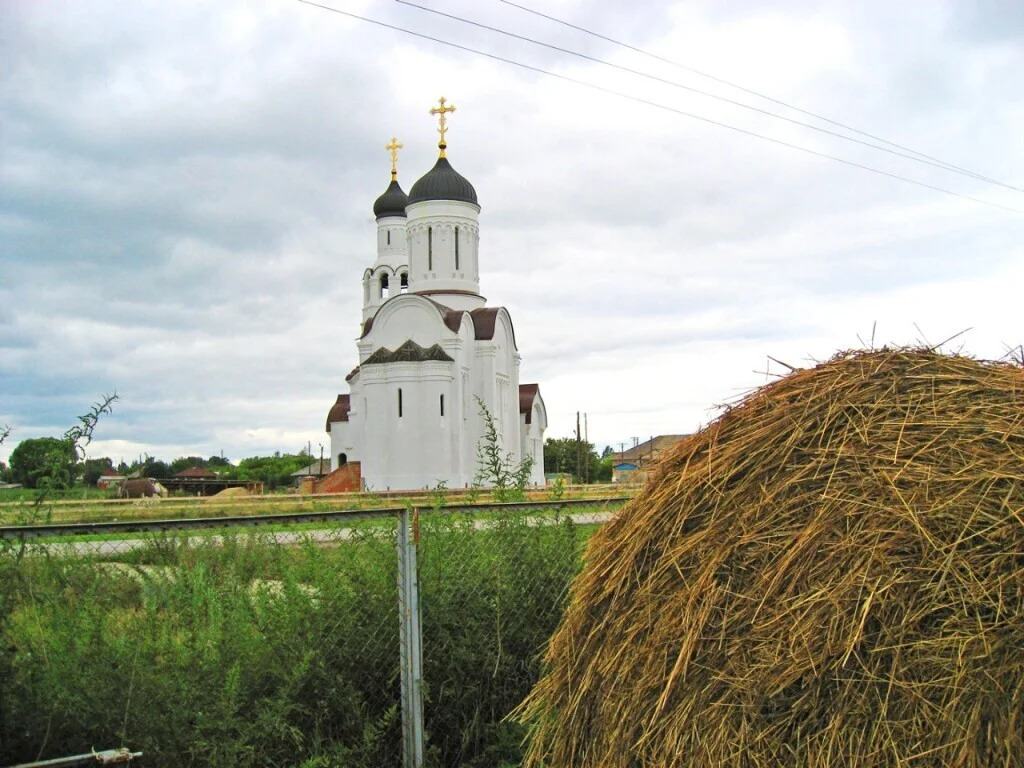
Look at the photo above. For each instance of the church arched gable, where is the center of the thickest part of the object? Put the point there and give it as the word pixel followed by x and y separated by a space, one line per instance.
pixel 539 420
pixel 504 341
pixel 408 317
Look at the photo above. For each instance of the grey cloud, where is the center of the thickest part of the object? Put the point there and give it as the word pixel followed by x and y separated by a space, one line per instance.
pixel 187 194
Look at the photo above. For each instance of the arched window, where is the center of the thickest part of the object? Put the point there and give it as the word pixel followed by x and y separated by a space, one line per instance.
pixel 456 249
pixel 430 249
pixel 404 284
pixel 384 291
pixel 342 459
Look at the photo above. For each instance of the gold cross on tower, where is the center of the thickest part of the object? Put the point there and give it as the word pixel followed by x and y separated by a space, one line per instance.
pixel 441 110
pixel 393 148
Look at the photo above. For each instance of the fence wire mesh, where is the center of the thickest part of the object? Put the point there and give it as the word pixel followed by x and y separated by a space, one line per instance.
pixel 250 641
pixel 493 586
pixel 229 645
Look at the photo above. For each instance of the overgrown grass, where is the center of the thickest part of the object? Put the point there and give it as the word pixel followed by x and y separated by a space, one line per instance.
pixel 31 495
pixel 240 651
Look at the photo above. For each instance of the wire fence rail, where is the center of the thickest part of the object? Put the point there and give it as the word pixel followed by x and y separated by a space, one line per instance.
pixel 389 636
pixel 104 509
pixel 106 757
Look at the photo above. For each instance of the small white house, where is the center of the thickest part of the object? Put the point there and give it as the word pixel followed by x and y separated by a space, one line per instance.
pixel 431 352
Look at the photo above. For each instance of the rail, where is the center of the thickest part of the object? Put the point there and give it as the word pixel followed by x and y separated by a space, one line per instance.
pixel 289 518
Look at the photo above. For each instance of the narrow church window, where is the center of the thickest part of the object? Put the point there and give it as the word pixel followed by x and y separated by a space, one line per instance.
pixel 442 405
pixel 456 248
pixel 399 402
pixel 404 285
pixel 389 237
pixel 384 292
pixel 430 249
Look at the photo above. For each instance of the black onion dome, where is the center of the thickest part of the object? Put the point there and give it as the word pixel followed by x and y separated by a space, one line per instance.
pixel 392 202
pixel 442 182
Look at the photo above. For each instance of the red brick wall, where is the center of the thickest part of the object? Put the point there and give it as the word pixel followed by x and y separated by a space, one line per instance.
pixel 347 477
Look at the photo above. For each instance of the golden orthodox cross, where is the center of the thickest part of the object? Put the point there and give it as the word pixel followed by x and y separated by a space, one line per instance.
pixel 393 148
pixel 441 110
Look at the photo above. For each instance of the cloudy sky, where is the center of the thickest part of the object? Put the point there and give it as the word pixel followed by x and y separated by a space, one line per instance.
pixel 186 192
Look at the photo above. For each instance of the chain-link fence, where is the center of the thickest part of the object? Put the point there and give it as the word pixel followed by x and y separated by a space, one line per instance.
pixel 321 639
pixel 493 586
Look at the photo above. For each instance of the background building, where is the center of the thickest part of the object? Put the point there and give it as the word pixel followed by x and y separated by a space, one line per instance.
pixel 631 466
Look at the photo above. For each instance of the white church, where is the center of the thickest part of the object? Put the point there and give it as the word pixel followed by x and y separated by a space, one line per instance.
pixel 430 349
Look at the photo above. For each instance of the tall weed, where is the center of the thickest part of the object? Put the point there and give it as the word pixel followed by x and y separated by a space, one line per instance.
pixel 239 650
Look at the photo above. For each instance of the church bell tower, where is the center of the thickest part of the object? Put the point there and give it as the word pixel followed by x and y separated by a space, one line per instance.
pixel 443 231
pixel 389 275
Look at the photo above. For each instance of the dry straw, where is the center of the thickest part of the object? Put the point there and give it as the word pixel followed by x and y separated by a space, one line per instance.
pixel 830 574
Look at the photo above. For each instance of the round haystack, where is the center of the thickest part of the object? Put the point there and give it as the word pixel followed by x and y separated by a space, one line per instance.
pixel 830 574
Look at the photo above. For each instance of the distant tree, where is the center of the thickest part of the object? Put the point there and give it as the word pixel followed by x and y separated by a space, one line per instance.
pixel 44 460
pixel 155 468
pixel 5 472
pixel 94 469
pixel 186 462
pixel 273 471
pixel 217 462
pixel 607 452
pixel 53 463
pixel 149 466
pixel 560 456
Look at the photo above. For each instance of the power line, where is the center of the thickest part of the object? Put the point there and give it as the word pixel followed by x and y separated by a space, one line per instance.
pixel 908 154
pixel 656 105
pixel 752 92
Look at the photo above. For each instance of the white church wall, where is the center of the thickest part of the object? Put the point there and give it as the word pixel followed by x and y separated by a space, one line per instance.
pixel 410 444
pixel 431 246
pixel 506 384
pixel 391 240
pixel 532 440
pixel 342 443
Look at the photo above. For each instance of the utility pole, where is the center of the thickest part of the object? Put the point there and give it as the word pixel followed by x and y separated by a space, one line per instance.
pixel 586 440
pixel 579 449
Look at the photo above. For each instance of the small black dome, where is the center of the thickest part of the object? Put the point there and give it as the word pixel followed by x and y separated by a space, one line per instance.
pixel 392 202
pixel 442 182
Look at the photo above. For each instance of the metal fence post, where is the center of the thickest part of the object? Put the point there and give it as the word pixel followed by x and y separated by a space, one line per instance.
pixel 410 638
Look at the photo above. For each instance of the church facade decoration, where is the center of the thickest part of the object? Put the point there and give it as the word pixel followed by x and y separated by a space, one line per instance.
pixel 431 351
